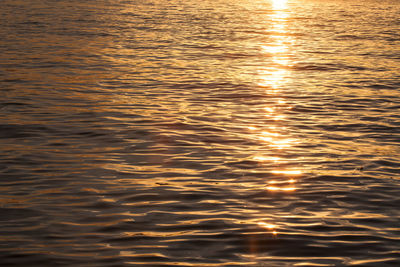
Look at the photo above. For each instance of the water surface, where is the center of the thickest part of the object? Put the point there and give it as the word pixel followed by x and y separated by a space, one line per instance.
pixel 199 133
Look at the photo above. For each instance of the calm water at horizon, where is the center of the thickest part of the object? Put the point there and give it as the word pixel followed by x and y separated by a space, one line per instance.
pixel 199 133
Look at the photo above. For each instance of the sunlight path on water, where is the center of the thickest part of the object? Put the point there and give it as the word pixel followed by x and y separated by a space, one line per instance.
pixel 273 78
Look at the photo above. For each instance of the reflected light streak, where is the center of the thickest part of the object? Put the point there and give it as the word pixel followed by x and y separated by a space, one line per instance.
pixel 270 134
pixel 283 62
pixel 275 128
pixel 278 117
pixel 267 225
pixel 269 109
pixel 274 49
pixel 266 139
pixel 288 172
pixel 281 101
pixel 262 158
pixel 273 78
pixel 275 139
pixel 277 74
pixel 291 181
pixel 279 144
pixel 279 4
pixel 276 188
pixel 279 16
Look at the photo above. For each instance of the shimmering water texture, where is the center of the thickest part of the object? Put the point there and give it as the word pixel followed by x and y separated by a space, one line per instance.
pixel 199 133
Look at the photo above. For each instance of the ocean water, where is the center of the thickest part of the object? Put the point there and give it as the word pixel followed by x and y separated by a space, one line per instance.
pixel 199 133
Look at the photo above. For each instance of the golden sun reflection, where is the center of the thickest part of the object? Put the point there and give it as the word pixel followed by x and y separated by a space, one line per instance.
pixel 278 142
pixel 277 188
pixel 287 172
pixel 269 109
pixel 274 49
pixel 274 76
pixel 291 181
pixel 251 128
pixel 278 49
pixel 265 134
pixel 284 185
pixel 262 158
pixel 279 4
pixel 267 225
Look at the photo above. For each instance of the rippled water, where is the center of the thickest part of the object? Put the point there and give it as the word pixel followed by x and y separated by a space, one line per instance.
pixel 199 133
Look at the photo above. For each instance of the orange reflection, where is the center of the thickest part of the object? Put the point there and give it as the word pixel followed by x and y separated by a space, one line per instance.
pixel 273 77
pixel 274 49
pixel 287 172
pixel 262 158
pixel 278 50
pixel 267 225
pixel 285 185
pixel 280 182
pixel 275 134
pixel 278 117
pixel 279 4
pixel 278 142
pixel 269 109
pixel 276 188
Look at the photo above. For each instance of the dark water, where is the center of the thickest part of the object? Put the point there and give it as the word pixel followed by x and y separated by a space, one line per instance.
pixel 199 133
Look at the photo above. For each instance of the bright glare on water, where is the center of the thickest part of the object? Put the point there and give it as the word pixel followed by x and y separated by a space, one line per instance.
pixel 199 133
